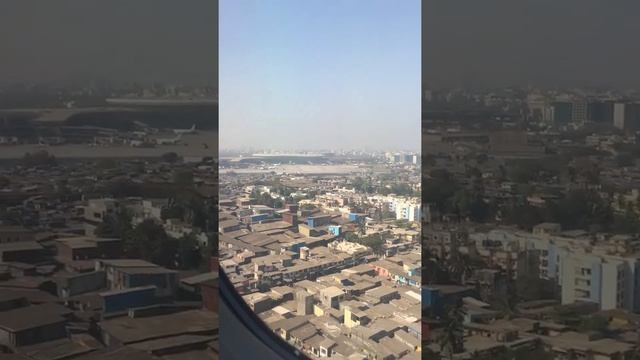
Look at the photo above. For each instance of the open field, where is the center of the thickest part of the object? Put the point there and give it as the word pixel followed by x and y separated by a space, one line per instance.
pixel 300 169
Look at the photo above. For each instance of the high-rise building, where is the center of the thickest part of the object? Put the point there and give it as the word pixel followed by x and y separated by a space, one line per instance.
pixel 619 115
pixel 407 210
pixel 607 281
pixel 562 112
pixel 579 111
pixel 601 111
pixel 626 116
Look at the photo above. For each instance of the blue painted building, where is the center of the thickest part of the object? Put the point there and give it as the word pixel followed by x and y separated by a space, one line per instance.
pixel 295 247
pixel 315 221
pixel 335 230
pixel 122 300
pixel 258 217
pixel 354 217
pixel 436 298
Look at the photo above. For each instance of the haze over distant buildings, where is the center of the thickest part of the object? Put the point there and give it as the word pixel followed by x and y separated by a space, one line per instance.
pixel 468 43
pixel 320 74
pixel 142 41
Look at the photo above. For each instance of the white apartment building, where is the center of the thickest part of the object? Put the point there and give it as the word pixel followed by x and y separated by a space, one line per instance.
pixel 600 271
pixel 407 210
pixel 607 280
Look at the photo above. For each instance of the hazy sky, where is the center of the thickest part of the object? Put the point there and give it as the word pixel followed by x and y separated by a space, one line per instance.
pixel 319 74
pixel 119 40
pixel 538 42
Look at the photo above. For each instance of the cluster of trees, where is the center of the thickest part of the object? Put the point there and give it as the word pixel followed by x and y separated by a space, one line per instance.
pixel 183 178
pixel 374 241
pixel 149 241
pixel 106 164
pixel 263 198
pixel 170 157
pixel 363 185
pixel 38 158
pixel 524 171
pixel 579 209
pixel 366 185
pixel 283 190
pixel 400 189
pixel 450 197
pixel 185 204
pixel 386 214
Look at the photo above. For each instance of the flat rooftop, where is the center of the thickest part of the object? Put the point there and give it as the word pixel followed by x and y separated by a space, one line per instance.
pixel 131 330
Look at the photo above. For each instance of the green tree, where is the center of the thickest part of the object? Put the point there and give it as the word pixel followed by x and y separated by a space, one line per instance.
pixel 524 171
pixel 362 225
pixel 530 287
pixel 149 241
pixel 524 216
pixel 351 237
pixel 183 178
pixel 439 189
pixel 625 160
pixel 465 204
pixel 626 223
pixel 106 164
pixel 39 158
pixel 452 339
pixel 431 355
pixel 117 225
pixel 189 254
pixel 434 270
pixel 173 212
pixel 594 323
pixel 170 157
pixel 374 241
pixel 580 209
pixel 511 299
pixel 459 266
pixel 473 172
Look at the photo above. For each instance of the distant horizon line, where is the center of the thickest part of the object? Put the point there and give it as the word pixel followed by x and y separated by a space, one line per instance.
pixel 276 152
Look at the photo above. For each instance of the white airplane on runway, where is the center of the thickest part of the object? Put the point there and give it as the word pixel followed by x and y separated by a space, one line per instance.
pixel 172 141
pixel 192 130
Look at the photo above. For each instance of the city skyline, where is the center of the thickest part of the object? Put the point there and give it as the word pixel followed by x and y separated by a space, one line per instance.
pixel 278 92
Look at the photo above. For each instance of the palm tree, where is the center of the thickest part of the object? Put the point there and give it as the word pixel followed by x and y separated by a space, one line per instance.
pixel 362 225
pixel 459 267
pixel 431 355
pixel 452 339
pixel 434 271
pixel 636 351
pixel 510 300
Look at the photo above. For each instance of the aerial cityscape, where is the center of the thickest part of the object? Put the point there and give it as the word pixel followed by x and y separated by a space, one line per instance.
pixel 530 181
pixel 531 210
pixel 440 180
pixel 320 174
pixel 103 242
pixel 108 182
pixel 326 249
